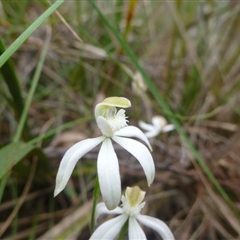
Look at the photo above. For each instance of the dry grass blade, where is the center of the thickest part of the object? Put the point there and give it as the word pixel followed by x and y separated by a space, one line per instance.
pixel 184 35
pixel 21 199
pixel 78 219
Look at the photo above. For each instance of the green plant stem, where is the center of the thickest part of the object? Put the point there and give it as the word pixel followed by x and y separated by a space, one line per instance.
pixel 96 192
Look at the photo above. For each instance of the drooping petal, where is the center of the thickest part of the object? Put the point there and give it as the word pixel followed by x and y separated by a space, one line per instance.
pixel 159 226
pixel 110 229
pixel 131 131
pixel 134 230
pixel 168 128
pixel 145 126
pixel 108 175
pixel 104 126
pixel 139 151
pixel 153 133
pixel 70 159
pixel 101 209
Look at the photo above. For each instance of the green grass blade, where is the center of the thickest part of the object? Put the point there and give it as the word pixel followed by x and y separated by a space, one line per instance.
pixel 20 40
pixel 11 79
pixel 12 82
pixel 167 110
pixel 11 154
pixel 3 185
pixel 33 87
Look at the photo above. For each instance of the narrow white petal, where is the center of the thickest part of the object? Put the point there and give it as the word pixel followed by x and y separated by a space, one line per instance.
pixel 108 175
pixel 153 133
pixel 104 126
pixel 101 209
pixel 159 226
pixel 131 131
pixel 139 151
pixel 145 126
pixel 70 159
pixel 134 230
pixel 168 128
pixel 110 229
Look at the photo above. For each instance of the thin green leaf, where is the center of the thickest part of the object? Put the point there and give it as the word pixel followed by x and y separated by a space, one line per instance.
pixel 11 79
pixel 33 86
pixel 12 82
pixel 11 154
pixel 3 185
pixel 23 37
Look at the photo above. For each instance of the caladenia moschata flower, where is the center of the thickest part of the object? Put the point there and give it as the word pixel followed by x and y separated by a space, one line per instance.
pixel 129 211
pixel 159 124
pixel 113 125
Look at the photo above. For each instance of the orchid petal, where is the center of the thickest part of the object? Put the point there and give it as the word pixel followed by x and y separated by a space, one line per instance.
pixel 108 175
pixel 101 209
pixel 141 153
pixel 168 128
pixel 159 226
pixel 104 126
pixel 145 126
pixel 131 131
pixel 134 230
pixel 70 159
pixel 110 229
pixel 153 133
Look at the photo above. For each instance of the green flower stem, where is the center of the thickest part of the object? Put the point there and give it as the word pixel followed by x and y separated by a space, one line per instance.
pixel 96 193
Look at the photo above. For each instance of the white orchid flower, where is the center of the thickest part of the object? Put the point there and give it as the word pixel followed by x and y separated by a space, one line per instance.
pixel 159 124
pixel 130 210
pixel 113 125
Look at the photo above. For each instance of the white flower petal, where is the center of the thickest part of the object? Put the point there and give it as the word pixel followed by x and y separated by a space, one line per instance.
pixel 108 175
pixel 168 128
pixel 159 226
pixel 104 126
pixel 134 230
pixel 153 133
pixel 101 209
pixel 70 159
pixel 145 126
pixel 110 229
pixel 131 131
pixel 139 151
